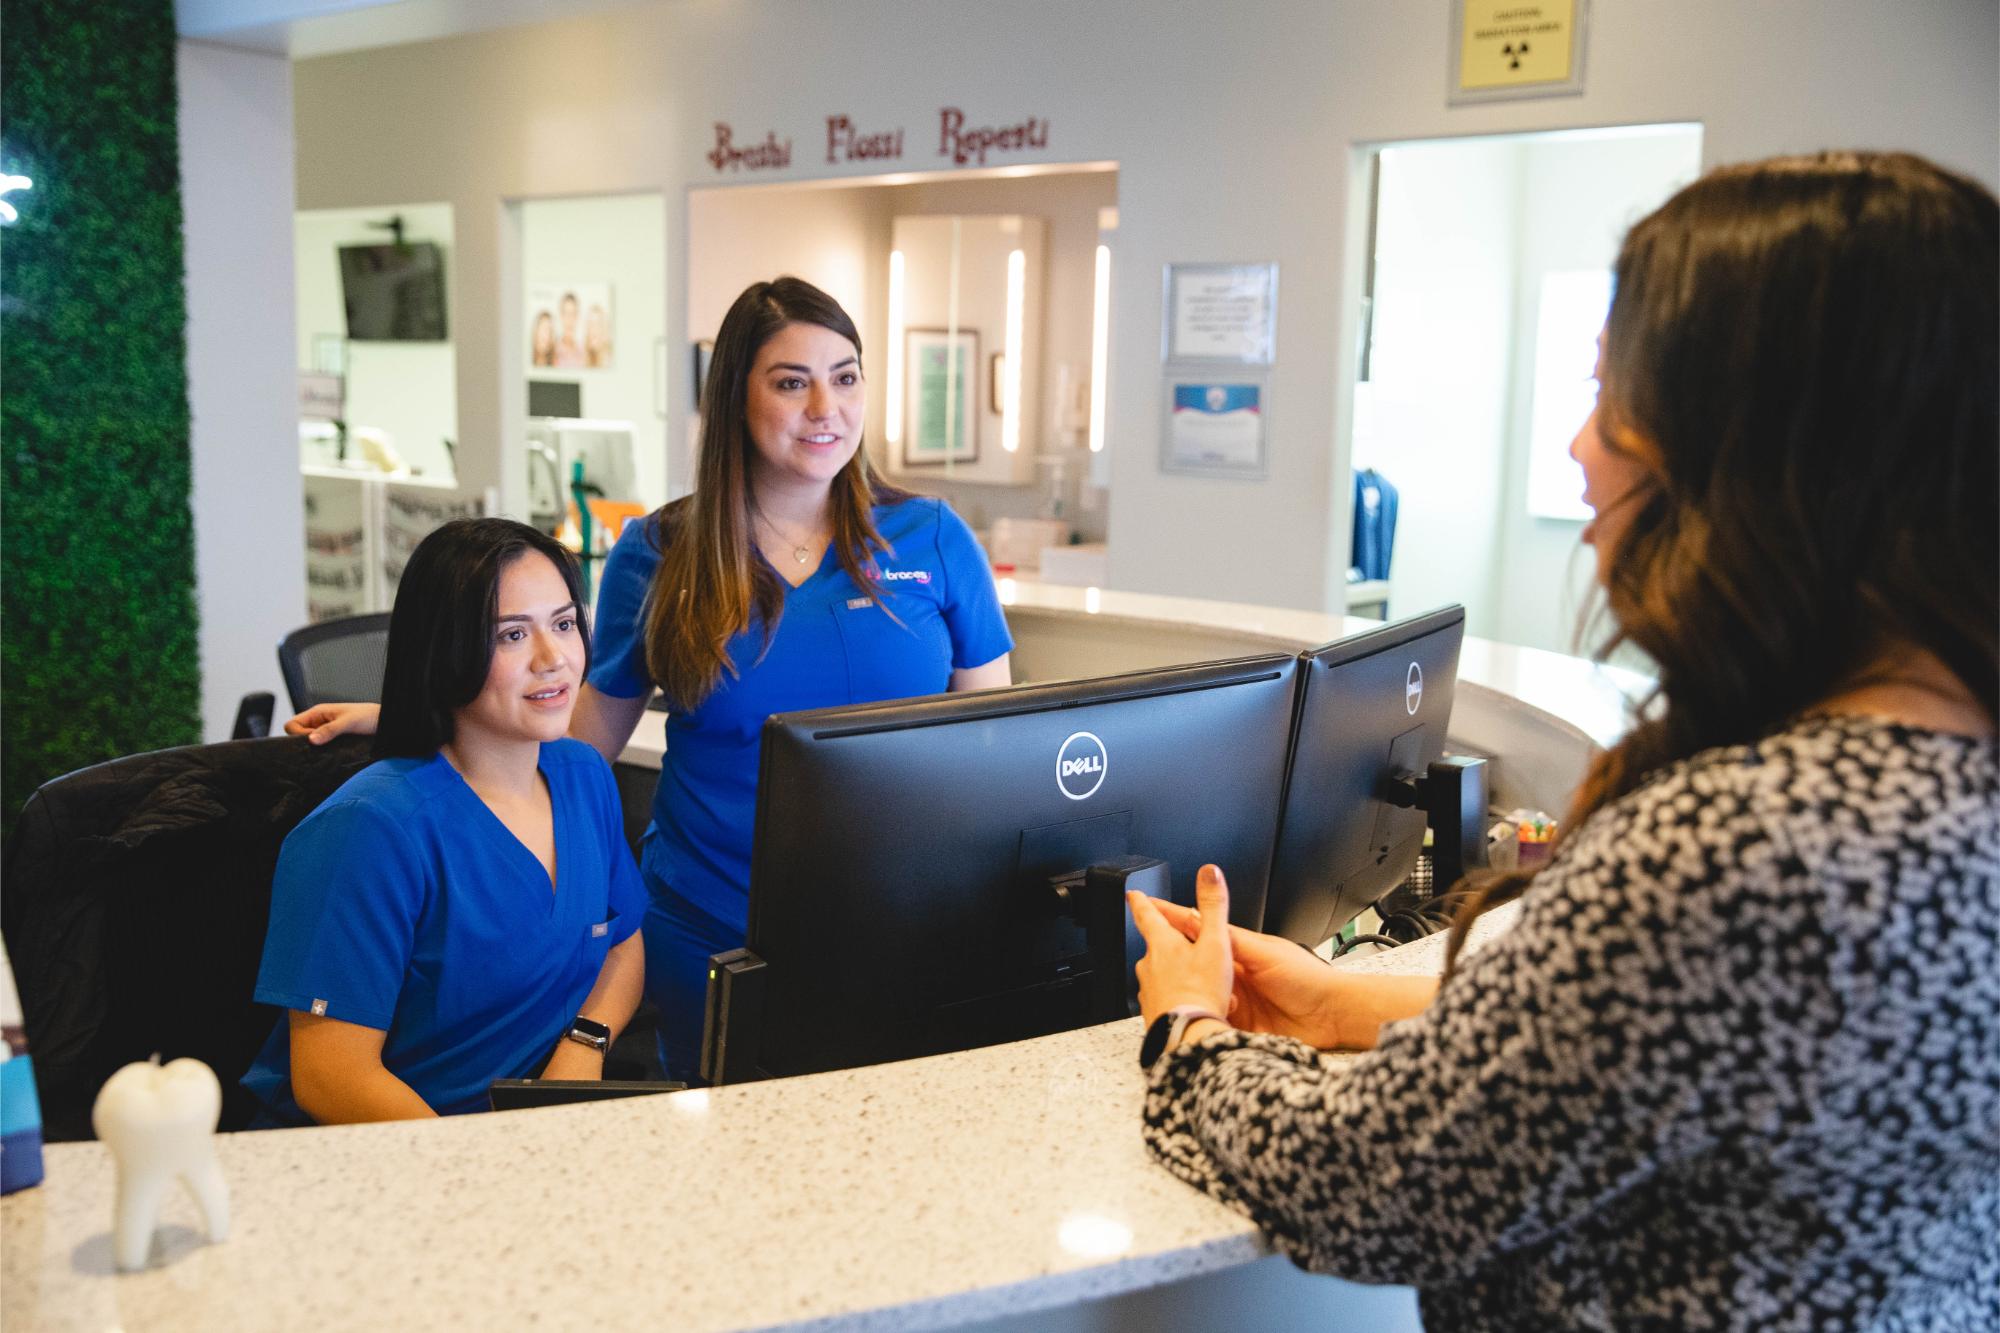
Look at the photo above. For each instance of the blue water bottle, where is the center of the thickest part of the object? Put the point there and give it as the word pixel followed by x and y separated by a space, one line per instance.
pixel 20 1108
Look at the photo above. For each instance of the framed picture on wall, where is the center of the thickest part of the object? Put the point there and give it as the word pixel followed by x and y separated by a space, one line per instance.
pixel 941 396
pixel 570 326
pixel 1215 428
pixel 1221 314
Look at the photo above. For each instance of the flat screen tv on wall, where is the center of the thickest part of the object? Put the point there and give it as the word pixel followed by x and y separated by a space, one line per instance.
pixel 393 293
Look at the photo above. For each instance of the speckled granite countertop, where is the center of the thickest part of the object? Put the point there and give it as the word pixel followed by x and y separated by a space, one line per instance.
pixel 913 1195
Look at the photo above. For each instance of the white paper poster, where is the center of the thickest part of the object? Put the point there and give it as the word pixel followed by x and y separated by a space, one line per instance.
pixel 1222 312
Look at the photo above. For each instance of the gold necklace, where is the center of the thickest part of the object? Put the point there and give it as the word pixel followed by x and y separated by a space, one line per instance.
pixel 801 551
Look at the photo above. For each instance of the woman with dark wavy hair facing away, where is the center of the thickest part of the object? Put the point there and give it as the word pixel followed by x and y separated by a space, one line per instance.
pixel 1737 1063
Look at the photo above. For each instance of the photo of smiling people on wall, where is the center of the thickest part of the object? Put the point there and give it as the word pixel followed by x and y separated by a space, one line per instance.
pixel 570 325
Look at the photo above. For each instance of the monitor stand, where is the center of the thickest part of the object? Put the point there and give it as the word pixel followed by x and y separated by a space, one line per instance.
pixel 1452 795
pixel 1095 899
pixel 732 1017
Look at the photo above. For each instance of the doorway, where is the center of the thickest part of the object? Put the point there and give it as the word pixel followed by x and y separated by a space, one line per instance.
pixel 587 377
pixel 1485 285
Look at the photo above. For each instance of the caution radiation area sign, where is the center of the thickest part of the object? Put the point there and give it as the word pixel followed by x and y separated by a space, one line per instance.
pixel 1517 48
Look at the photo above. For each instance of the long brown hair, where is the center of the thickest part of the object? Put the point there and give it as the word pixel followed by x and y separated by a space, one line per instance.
pixel 1809 346
pixel 710 586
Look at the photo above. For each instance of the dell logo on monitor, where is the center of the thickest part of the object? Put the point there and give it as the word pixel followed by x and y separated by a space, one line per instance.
pixel 1080 765
pixel 1413 688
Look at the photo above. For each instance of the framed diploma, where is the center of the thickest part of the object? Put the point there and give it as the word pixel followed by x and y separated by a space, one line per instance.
pixel 1215 427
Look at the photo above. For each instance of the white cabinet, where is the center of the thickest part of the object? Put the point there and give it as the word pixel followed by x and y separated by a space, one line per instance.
pixel 360 530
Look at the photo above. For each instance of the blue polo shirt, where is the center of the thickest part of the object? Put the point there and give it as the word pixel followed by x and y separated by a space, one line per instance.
pixel 832 646
pixel 404 904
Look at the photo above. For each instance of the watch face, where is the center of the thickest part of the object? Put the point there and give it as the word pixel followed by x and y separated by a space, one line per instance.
pixel 592 1029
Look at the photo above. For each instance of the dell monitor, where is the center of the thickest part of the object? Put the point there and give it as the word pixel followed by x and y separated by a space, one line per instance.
pixel 1367 767
pixel 942 873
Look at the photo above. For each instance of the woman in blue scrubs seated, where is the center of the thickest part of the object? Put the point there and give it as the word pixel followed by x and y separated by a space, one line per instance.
pixel 465 909
pixel 791 578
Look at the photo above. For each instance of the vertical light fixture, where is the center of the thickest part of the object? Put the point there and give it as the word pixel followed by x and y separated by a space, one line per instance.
pixel 1100 329
pixel 1010 391
pixel 892 410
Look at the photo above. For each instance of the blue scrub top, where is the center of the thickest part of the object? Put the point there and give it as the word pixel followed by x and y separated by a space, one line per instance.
pixel 833 646
pixel 404 904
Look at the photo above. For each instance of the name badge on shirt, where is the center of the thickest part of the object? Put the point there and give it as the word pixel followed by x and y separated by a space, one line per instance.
pixel 600 930
pixel 856 603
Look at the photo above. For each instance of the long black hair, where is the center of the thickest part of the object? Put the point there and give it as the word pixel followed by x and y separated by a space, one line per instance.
pixel 441 631
pixel 1810 346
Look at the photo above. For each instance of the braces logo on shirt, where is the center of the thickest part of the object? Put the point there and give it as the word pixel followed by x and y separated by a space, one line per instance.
pixel 1413 688
pixel 1081 765
pixel 906 576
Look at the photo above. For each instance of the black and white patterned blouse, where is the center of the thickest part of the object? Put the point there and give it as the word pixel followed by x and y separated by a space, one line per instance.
pixel 1737 1066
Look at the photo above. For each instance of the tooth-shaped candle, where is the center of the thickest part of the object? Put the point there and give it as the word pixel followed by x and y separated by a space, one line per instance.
pixel 159 1122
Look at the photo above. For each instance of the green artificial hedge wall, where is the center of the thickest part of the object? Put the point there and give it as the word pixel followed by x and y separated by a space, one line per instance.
pixel 98 645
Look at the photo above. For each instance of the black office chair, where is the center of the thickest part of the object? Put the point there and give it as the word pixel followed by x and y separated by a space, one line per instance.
pixel 138 892
pixel 335 661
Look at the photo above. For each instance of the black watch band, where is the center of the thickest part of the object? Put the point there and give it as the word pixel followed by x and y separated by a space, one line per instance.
pixel 1165 1032
pixel 589 1032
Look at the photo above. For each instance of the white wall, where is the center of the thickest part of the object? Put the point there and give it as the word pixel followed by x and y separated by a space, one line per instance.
pixel 835 239
pixel 621 240
pixel 408 389
pixel 1234 126
pixel 249 520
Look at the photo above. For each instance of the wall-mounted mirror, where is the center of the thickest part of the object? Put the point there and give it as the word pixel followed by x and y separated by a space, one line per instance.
pixel 964 347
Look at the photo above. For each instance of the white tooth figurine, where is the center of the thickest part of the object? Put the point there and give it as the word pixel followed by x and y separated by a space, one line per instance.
pixel 159 1122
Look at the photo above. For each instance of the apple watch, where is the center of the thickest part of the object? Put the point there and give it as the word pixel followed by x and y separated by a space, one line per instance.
pixel 1165 1033
pixel 589 1032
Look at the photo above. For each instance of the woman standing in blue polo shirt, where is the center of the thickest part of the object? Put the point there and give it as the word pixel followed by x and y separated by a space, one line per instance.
pixel 791 578
pixel 465 909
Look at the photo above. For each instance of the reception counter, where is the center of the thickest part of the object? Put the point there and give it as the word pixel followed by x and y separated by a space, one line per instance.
pixel 1006 1187
pixel 1536 715
pixel 1007 1184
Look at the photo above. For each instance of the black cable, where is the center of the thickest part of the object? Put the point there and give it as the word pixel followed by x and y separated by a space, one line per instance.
pixel 1346 944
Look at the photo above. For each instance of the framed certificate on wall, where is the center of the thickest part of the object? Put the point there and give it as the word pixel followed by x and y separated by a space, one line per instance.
pixel 1221 314
pixel 1215 427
